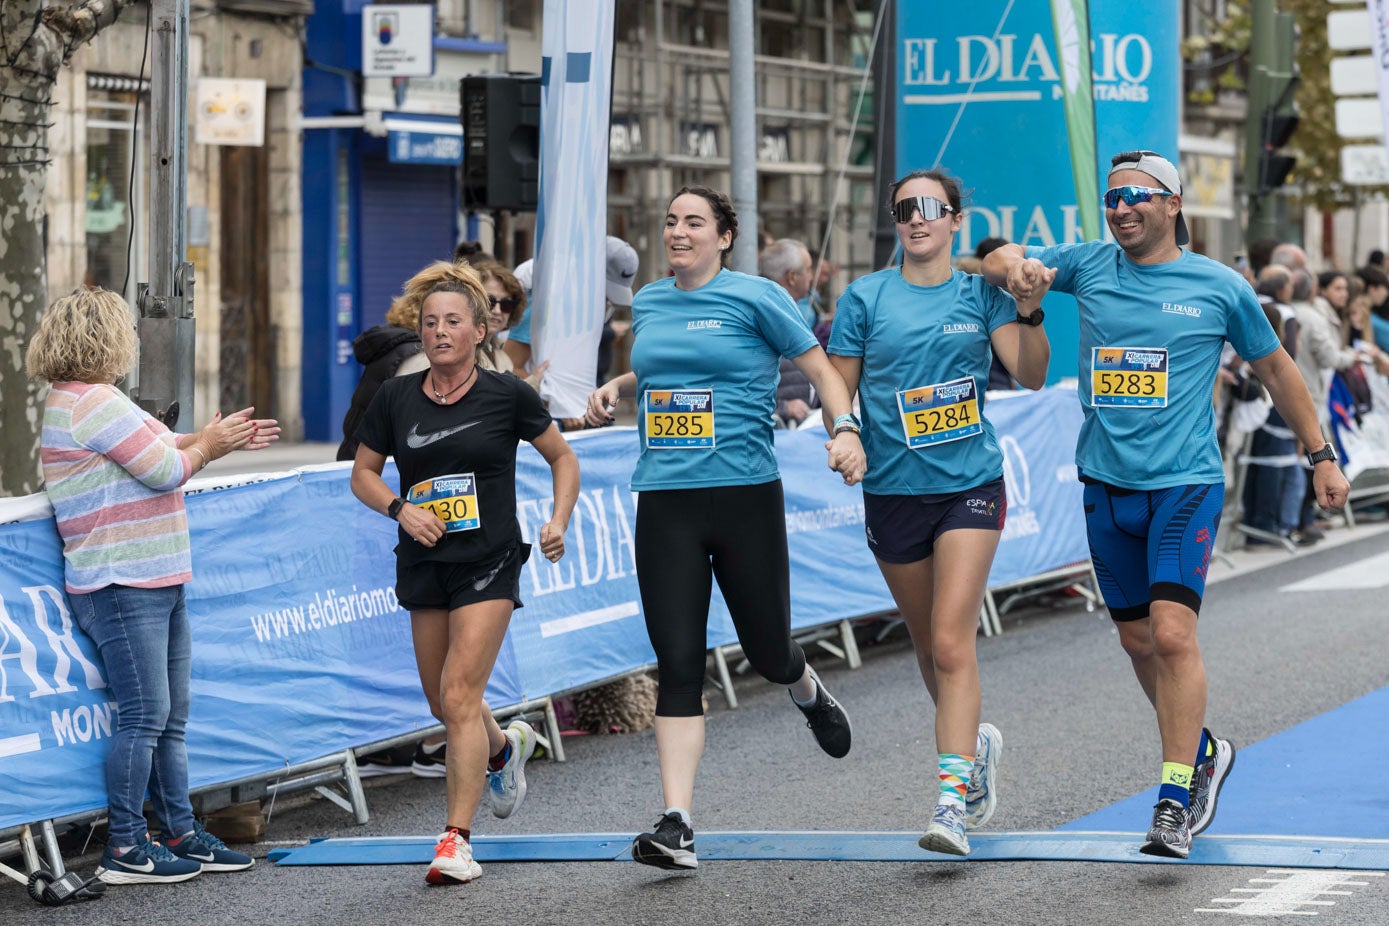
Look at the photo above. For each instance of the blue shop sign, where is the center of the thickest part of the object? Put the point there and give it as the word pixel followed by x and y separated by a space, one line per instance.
pixel 424 147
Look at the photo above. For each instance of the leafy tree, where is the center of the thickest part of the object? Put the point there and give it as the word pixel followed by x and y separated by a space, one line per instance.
pixel 36 39
pixel 1223 46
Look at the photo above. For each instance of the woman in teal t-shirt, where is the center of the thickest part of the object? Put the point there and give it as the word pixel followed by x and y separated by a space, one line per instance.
pixel 916 343
pixel 708 343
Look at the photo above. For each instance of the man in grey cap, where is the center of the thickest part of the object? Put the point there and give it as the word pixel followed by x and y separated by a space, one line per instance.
pixel 1153 321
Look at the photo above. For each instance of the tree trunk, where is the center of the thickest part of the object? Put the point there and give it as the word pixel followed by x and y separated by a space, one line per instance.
pixel 34 43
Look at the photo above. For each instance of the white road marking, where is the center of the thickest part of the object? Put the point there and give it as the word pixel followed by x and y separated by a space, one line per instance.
pixel 1287 895
pixel 589 619
pixel 1367 573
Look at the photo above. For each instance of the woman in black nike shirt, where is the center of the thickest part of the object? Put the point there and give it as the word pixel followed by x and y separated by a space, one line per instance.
pixel 453 430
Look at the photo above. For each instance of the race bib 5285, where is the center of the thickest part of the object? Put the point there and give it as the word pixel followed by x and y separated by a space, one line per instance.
pixel 680 419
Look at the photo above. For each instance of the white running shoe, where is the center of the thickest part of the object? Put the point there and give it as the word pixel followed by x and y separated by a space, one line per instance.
pixel 946 833
pixel 507 785
pixel 981 798
pixel 453 861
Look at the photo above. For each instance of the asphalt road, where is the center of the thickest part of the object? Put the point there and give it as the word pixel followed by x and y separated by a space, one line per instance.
pixel 1079 736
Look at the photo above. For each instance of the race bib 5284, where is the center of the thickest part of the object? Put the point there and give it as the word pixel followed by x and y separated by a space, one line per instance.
pixel 940 413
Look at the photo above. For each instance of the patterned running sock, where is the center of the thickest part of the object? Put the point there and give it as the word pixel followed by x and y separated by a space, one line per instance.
pixel 1206 749
pixel 954 777
pixel 497 762
pixel 1176 783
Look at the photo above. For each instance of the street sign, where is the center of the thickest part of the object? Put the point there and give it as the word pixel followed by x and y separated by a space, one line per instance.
pixel 1348 30
pixel 1365 165
pixel 398 40
pixel 1358 117
pixel 229 111
pixel 1354 75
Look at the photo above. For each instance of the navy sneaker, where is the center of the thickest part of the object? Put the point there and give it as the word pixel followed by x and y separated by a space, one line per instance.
pixel 430 761
pixel 148 863
pixel 386 762
pixel 210 852
pixel 670 846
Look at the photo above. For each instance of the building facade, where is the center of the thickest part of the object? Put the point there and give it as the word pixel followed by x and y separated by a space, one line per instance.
pixel 243 202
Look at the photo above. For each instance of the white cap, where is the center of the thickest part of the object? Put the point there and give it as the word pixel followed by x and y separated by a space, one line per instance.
pixel 1165 173
pixel 622 271
pixel 523 273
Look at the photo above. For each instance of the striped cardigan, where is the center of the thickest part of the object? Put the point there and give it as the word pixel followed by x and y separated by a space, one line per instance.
pixel 112 473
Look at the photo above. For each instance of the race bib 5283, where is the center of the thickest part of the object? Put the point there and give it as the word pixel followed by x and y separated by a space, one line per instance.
pixel 940 413
pixel 1128 377
pixel 680 419
pixel 453 499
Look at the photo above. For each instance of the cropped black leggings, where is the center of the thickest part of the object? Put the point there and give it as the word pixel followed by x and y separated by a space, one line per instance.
pixel 737 535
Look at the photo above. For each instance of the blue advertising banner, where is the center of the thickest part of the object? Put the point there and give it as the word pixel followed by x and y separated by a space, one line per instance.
pixel 300 648
pixel 979 92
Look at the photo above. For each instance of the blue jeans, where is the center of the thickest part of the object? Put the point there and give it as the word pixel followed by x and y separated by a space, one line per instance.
pixel 144 640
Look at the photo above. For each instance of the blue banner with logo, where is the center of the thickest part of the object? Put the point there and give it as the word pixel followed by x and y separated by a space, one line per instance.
pixel 300 648
pixel 979 92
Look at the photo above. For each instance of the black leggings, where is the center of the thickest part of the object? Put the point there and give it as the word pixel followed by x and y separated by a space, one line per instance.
pixel 737 534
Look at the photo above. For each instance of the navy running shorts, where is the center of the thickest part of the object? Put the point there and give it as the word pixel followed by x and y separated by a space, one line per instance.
pixel 904 528
pixel 433 585
pixel 1151 545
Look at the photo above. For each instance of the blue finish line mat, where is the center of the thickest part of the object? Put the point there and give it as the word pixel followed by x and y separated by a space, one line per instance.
pixel 1258 851
pixel 1320 785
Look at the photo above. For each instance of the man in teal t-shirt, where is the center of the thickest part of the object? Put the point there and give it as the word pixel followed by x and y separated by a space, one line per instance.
pixel 1153 319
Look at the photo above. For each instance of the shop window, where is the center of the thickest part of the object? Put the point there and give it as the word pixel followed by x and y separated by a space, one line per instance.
pixel 115 230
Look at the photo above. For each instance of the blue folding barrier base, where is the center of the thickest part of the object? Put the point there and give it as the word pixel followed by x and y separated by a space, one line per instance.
pixel 1257 851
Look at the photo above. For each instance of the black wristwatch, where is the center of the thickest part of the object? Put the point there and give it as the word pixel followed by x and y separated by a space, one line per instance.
pixel 1321 456
pixel 393 509
pixel 1033 320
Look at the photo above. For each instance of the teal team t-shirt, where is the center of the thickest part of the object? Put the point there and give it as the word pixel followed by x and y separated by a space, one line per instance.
pixel 1150 342
pixel 926 356
pixel 706 364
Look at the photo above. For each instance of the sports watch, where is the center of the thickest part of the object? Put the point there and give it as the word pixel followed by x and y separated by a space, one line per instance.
pixel 393 510
pixel 1321 456
pixel 1033 320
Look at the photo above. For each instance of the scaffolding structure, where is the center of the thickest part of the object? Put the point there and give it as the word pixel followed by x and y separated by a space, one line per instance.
pixel 670 112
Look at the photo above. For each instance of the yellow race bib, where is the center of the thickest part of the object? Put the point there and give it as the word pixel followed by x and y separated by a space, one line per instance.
pixel 1128 377
pixel 680 419
pixel 453 499
pixel 940 413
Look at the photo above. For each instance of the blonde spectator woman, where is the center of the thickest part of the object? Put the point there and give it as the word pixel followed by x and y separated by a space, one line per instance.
pixel 113 474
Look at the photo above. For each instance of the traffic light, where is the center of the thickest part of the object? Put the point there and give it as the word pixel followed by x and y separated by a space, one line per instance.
pixel 501 141
pixel 1277 125
pixel 1272 119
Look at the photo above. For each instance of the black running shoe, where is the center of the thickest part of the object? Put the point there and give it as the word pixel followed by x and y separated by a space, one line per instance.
pixel 1206 783
pixel 1169 835
pixel 387 762
pixel 670 846
pixel 827 720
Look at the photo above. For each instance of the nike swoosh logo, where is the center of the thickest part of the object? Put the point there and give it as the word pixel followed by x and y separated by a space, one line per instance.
pixel 146 868
pixel 209 857
pixel 415 440
pixel 686 843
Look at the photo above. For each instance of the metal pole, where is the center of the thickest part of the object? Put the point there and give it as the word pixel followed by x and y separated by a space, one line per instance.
pixel 742 92
pixel 165 387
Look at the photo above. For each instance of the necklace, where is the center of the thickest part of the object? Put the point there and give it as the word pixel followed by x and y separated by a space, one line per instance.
pixel 441 396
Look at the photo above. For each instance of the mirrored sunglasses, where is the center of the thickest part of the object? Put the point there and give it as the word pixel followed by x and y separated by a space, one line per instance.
pixel 506 304
pixel 929 207
pixel 1131 195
